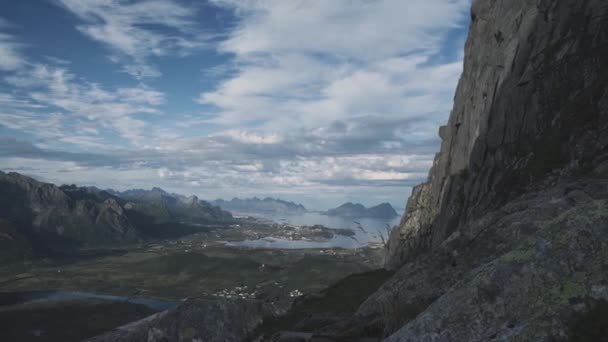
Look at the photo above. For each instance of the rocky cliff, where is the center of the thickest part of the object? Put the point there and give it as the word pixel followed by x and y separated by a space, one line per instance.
pixel 529 112
pixel 508 238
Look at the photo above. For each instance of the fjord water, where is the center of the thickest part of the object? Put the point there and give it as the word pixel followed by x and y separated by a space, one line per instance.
pixel 367 230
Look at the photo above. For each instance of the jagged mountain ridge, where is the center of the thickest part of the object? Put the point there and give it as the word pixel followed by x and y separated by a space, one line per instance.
pixel 46 218
pixel 163 206
pixel 50 215
pixel 357 210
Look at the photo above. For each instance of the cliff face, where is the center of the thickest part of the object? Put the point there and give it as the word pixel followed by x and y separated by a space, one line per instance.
pixel 530 112
pixel 53 217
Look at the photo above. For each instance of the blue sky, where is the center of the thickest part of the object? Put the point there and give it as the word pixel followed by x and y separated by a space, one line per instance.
pixel 315 101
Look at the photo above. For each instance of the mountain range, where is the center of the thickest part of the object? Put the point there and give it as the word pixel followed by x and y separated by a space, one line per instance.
pixel 163 206
pixel 266 206
pixel 42 218
pixel 357 210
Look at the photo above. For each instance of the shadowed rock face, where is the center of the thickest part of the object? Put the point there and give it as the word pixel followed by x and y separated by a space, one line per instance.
pixel 530 111
pixel 56 217
pixel 518 273
pixel 14 245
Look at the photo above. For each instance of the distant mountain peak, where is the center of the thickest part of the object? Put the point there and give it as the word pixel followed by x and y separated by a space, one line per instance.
pixel 349 209
pixel 266 206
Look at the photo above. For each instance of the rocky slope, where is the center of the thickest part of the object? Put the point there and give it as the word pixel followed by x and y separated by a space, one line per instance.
pixel 266 206
pixel 529 111
pixel 352 210
pixel 508 239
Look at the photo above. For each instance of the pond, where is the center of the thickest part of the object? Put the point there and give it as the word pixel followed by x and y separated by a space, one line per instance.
pixel 14 298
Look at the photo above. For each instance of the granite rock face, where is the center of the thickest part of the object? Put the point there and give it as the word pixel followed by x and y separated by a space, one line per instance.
pixel 508 238
pixel 530 111
pixel 518 273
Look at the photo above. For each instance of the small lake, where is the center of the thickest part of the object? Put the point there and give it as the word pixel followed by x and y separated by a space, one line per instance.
pixel 367 230
pixel 66 296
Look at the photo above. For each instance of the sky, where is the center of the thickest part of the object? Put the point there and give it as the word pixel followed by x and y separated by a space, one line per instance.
pixel 315 101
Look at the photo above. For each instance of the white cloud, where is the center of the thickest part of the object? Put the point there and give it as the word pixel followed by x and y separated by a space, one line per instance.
pixel 44 90
pixel 164 172
pixel 141 71
pixel 310 63
pixel 246 137
pixel 357 29
pixel 127 29
pixel 10 50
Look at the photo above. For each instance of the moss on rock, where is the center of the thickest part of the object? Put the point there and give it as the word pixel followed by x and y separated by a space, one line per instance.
pixel 518 255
